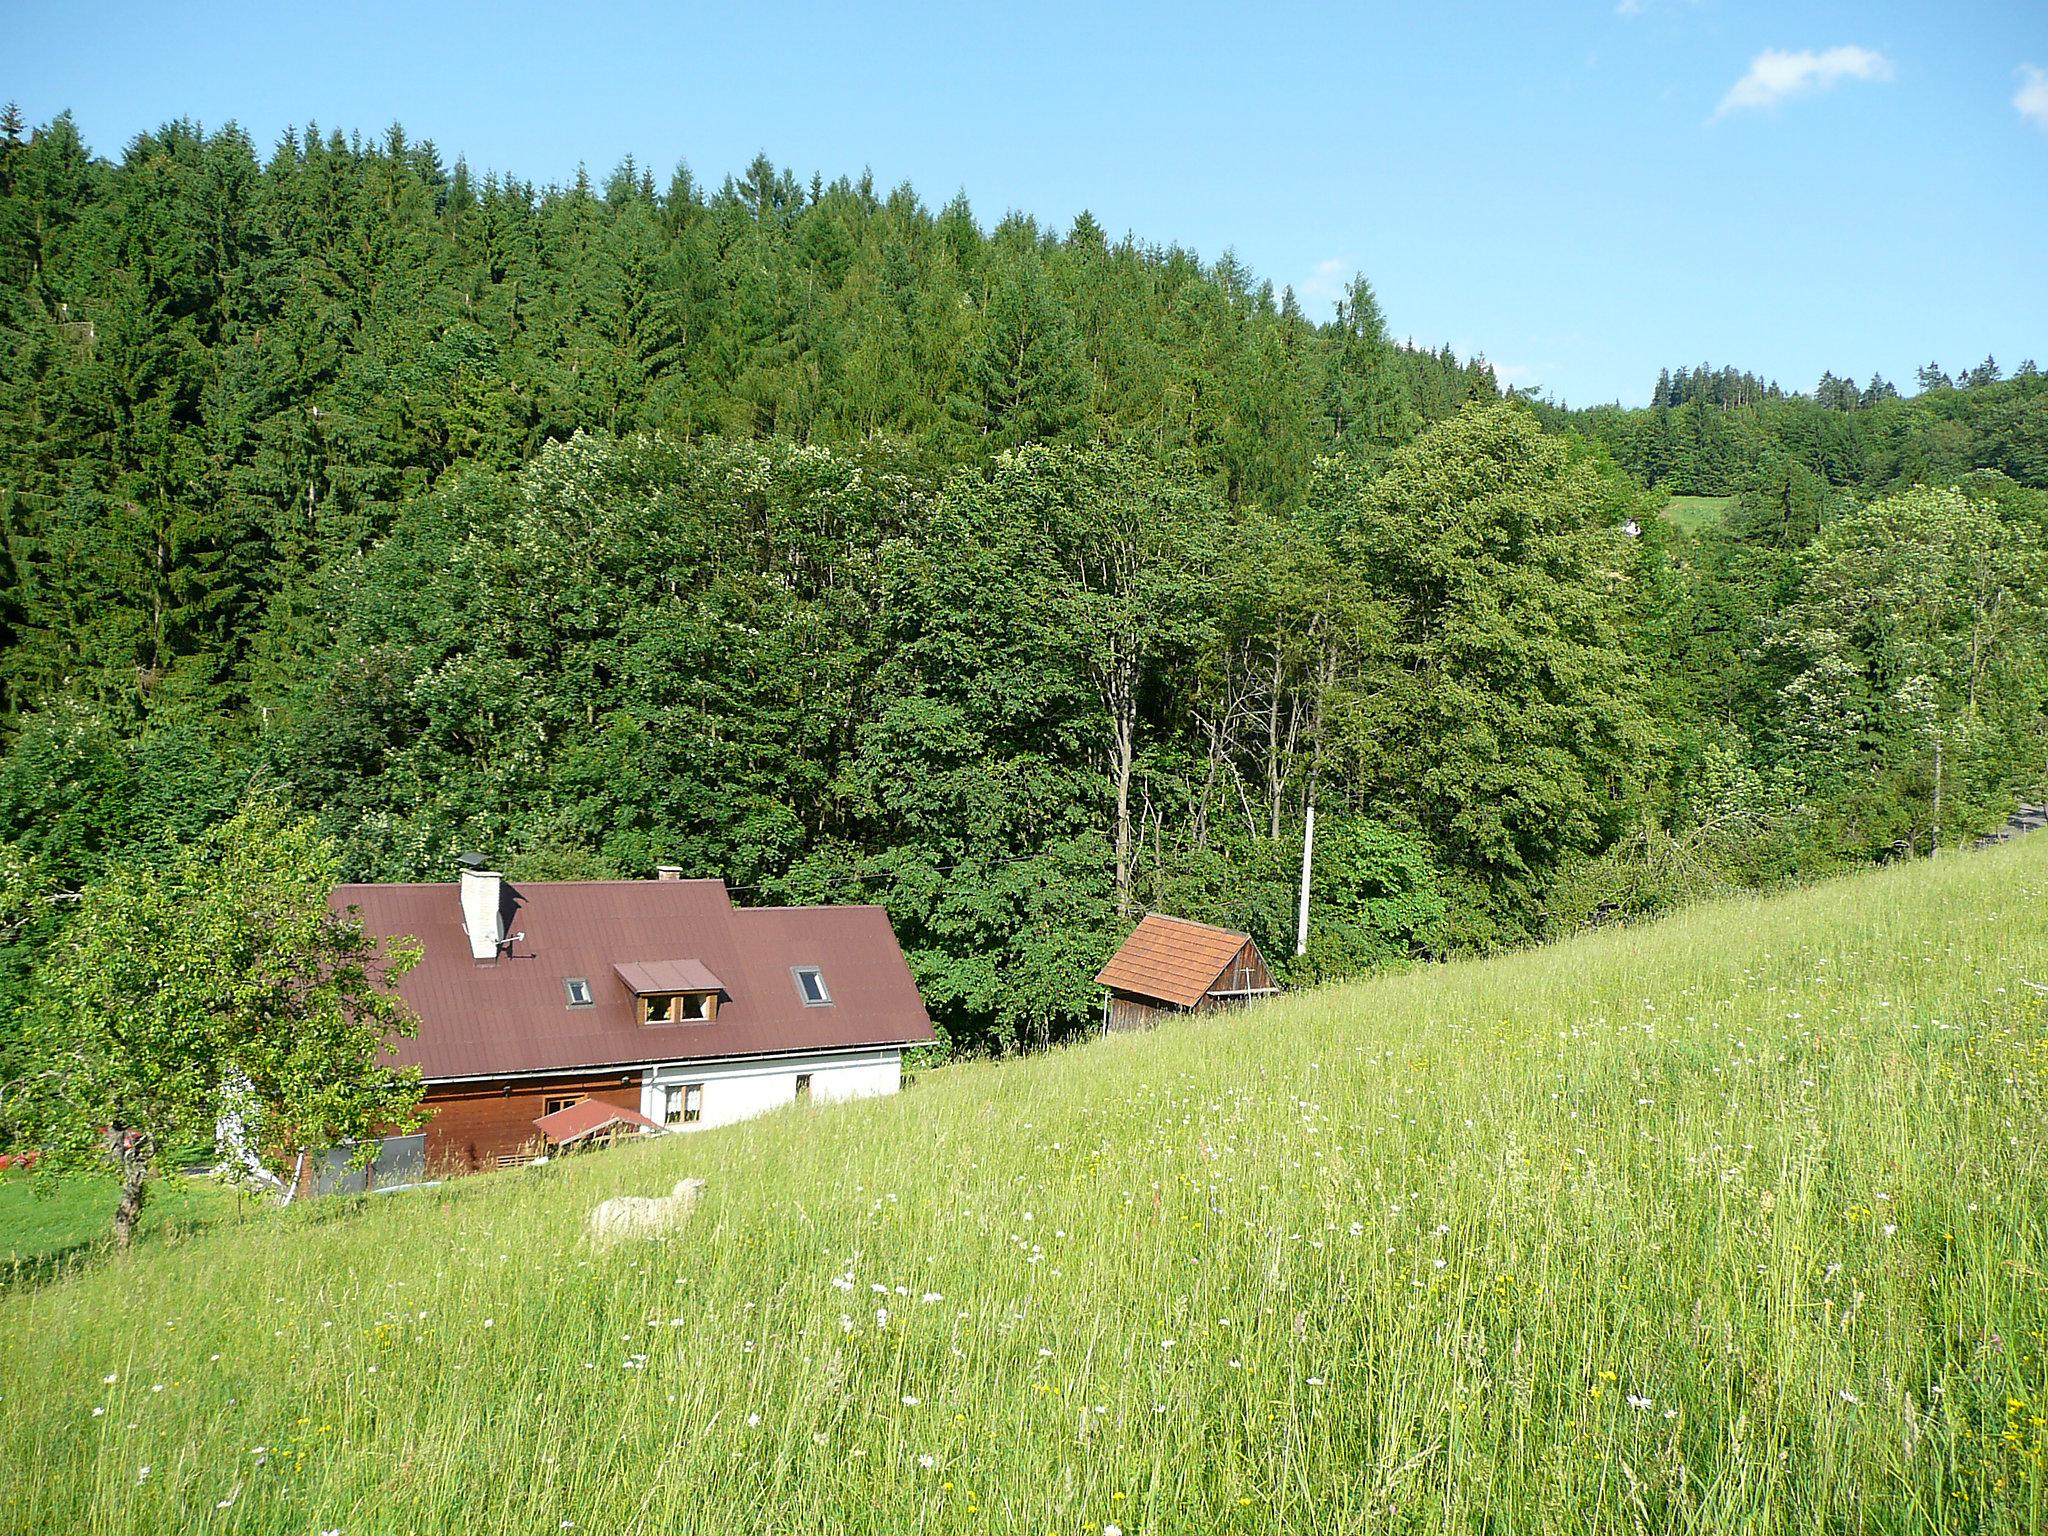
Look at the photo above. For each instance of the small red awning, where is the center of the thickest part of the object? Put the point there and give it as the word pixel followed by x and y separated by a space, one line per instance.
pixel 588 1117
pixel 644 976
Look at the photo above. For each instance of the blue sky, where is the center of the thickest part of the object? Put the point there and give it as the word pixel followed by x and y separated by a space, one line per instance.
pixel 1584 192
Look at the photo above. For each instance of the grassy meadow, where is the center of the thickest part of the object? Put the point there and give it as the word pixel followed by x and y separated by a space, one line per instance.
pixel 1693 513
pixel 1734 1223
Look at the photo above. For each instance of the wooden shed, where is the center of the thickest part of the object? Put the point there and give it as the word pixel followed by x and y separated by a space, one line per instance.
pixel 1170 965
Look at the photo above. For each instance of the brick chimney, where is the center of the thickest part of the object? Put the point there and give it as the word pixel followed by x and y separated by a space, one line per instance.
pixel 668 871
pixel 483 911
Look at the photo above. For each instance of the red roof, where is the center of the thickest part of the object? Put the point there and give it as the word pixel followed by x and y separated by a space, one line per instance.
pixel 644 976
pixel 513 1015
pixel 1172 960
pixel 587 1116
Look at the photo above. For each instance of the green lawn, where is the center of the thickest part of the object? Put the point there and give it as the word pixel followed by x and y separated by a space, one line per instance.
pixel 1732 1223
pixel 43 1230
pixel 1693 513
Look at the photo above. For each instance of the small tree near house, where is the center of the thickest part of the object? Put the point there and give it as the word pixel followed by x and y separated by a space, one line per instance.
pixel 218 983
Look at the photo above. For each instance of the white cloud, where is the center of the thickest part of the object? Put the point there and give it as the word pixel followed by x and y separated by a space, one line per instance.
pixel 2032 97
pixel 1776 76
pixel 1327 282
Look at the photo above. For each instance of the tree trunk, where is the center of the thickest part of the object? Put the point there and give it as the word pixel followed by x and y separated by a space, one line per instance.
pixel 134 1187
pixel 1125 726
pixel 1934 841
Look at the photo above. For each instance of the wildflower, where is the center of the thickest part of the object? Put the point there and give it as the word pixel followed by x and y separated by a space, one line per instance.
pixel 1850 1397
pixel 143 1475
pixel 490 1322
pixel 927 1461
pixel 909 1401
pixel 1639 1402
pixel 110 1378
pixel 1112 1530
pixel 931 1296
pixel 1166 1343
pixel 753 1419
pixel 1315 1381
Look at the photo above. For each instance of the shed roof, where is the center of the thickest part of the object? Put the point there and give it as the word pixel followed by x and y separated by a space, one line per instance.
pixel 644 976
pixel 1172 960
pixel 586 1117
pixel 508 1017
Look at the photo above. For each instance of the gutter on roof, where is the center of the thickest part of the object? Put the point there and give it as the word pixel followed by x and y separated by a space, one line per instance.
pixel 640 1063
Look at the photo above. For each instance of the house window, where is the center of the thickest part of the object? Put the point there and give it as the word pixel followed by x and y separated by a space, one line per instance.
pixel 557 1101
pixel 693 1103
pixel 810 983
pixel 678 1007
pixel 578 990
pixel 803 1087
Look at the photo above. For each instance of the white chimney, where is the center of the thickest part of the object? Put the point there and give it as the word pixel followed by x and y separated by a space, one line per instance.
pixel 668 871
pixel 483 916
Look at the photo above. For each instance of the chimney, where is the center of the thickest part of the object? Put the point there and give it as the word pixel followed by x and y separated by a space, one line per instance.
pixel 483 914
pixel 668 871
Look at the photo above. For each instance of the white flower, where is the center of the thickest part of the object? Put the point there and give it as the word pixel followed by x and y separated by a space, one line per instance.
pixel 927 1461
pixel 1850 1397
pixel 753 1419
pixel 97 1412
pixel 143 1474
pixel 1112 1530
pixel 909 1401
pixel 490 1322
pixel 931 1296
pixel 1639 1402
pixel 110 1378
pixel 1315 1381
pixel 1166 1343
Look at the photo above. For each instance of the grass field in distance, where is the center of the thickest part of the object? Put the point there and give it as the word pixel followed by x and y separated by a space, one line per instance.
pixel 1730 1223
pixel 1693 513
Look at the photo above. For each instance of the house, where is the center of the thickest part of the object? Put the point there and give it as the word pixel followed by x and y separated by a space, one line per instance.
pixel 1170 965
pixel 656 999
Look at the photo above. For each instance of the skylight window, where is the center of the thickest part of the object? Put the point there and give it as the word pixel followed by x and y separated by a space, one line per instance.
pixel 578 991
pixel 810 984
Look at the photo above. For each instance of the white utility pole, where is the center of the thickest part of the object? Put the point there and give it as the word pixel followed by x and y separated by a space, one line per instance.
pixel 1308 854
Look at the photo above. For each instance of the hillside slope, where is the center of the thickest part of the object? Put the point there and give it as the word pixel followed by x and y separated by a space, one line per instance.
pixel 1734 1222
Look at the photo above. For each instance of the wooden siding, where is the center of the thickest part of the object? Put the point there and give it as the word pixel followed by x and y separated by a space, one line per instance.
pixel 472 1123
pixel 1124 1012
pixel 1246 972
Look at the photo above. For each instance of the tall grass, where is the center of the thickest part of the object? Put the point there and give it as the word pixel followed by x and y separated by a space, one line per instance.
pixel 1734 1223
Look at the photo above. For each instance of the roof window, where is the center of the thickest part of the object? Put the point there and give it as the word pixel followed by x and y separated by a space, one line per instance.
pixel 577 989
pixel 810 985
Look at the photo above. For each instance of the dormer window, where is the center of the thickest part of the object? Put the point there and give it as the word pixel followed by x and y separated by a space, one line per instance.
pixel 577 989
pixel 671 991
pixel 678 1007
pixel 810 985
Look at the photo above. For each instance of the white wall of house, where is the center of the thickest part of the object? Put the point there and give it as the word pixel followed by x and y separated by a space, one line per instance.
pixel 739 1088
